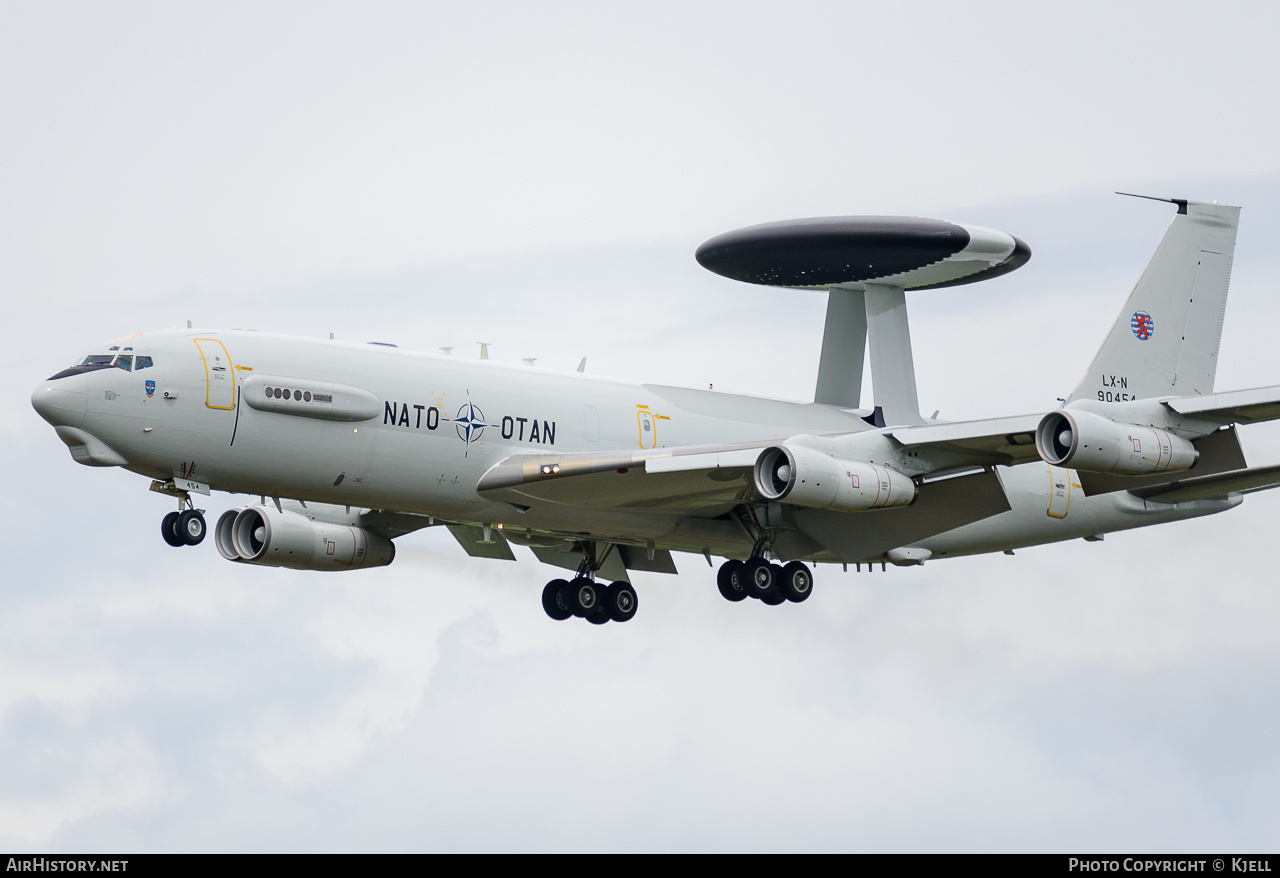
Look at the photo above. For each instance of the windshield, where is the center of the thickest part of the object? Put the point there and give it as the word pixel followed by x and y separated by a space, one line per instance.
pixel 94 362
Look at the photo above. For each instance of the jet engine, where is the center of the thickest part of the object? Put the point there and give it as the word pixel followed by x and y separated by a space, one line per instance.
pixel 262 535
pixel 807 477
pixel 1096 444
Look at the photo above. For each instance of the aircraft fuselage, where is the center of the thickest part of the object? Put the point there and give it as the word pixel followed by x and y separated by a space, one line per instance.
pixel 376 427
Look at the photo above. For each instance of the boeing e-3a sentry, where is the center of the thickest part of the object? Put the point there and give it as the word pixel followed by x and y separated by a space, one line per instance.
pixel 347 447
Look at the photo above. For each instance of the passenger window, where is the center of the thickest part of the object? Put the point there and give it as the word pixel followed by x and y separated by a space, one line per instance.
pixel 142 363
pixel 124 361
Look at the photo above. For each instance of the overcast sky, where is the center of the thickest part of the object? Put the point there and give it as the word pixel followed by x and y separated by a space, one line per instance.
pixel 538 176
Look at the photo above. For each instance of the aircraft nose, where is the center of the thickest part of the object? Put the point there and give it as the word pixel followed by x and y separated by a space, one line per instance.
pixel 63 402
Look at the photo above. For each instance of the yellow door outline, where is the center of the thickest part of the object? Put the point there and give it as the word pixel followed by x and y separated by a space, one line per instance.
pixel 1059 491
pixel 209 370
pixel 648 430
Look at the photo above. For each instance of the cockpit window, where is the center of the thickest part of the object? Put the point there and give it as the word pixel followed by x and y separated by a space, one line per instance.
pixel 94 362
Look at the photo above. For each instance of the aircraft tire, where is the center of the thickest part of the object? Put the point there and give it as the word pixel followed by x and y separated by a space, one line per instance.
pixel 774 598
pixel 759 577
pixel 730 581
pixel 191 527
pixel 796 582
pixel 620 601
pixel 598 616
pixel 169 530
pixel 557 607
pixel 584 596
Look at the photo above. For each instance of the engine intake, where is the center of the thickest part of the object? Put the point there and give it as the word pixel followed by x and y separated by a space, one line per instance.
pixel 262 535
pixel 1096 444
pixel 806 477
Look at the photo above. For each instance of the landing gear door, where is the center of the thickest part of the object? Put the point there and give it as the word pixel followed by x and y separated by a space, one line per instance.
pixel 219 374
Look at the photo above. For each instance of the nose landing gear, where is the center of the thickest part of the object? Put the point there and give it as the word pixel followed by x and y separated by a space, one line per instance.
pixel 186 527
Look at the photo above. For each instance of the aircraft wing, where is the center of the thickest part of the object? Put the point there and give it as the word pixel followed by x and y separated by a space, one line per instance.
pixel 711 480
pixel 1233 407
pixel 991 442
pixel 696 480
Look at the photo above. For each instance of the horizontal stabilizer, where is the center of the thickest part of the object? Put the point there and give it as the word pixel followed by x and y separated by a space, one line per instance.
pixel 1241 481
pixel 1234 407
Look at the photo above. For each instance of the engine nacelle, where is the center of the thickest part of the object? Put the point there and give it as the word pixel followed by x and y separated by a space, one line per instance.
pixel 1092 443
pixel 262 535
pixel 806 477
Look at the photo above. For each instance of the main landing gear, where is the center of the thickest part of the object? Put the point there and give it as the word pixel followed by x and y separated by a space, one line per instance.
pixel 590 600
pixel 587 599
pixel 771 583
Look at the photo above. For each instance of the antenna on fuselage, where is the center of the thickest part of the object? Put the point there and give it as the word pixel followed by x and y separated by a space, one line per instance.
pixel 447 350
pixel 582 366
pixel 484 349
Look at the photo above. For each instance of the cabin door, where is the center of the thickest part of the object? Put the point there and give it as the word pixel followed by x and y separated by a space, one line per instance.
pixel 219 374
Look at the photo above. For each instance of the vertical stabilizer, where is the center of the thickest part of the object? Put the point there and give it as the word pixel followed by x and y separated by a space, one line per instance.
pixel 1165 341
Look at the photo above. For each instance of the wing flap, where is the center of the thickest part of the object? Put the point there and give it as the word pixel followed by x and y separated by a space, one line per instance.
pixel 700 480
pixel 471 538
pixel 940 506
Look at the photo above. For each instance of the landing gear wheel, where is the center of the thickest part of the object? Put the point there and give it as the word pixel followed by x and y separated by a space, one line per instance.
pixel 758 577
pixel 731 581
pixel 796 582
pixel 583 596
pixel 620 601
pixel 169 530
pixel 774 598
pixel 598 616
pixel 556 606
pixel 191 527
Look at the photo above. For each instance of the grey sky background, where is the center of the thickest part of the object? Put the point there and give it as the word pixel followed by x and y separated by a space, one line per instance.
pixel 538 177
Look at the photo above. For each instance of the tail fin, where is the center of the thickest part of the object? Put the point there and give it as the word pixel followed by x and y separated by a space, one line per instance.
pixel 1165 342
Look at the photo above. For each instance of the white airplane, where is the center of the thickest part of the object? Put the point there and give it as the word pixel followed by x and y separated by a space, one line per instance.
pixel 349 446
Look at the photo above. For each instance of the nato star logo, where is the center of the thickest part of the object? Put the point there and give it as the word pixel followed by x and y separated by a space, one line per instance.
pixel 470 423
